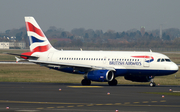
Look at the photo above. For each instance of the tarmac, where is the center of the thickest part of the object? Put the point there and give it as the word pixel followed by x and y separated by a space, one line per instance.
pixel 34 97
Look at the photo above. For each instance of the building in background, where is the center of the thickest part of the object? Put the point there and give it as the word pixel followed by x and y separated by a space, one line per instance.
pixel 12 45
pixel 4 45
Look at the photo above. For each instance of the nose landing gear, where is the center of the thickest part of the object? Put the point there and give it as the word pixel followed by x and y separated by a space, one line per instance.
pixel 152 83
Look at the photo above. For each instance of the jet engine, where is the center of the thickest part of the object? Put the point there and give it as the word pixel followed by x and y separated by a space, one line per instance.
pixel 138 78
pixel 100 75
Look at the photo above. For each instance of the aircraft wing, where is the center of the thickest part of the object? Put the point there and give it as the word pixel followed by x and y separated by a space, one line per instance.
pixel 81 67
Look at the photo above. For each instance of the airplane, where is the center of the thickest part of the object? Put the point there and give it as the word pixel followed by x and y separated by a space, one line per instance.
pixel 100 66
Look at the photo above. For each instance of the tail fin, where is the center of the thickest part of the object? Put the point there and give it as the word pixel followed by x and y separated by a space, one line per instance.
pixel 38 41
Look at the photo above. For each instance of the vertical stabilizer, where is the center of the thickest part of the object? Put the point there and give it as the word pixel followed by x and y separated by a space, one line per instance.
pixel 38 41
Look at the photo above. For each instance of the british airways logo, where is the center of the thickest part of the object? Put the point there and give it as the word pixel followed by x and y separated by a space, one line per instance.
pixel 149 58
pixel 129 63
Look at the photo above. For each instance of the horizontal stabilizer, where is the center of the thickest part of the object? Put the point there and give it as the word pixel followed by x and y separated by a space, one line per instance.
pixel 29 57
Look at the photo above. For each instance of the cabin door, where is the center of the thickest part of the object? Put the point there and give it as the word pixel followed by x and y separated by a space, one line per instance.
pixel 147 61
pixel 49 58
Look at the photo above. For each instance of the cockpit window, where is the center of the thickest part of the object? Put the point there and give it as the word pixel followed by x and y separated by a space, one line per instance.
pixel 158 60
pixel 168 60
pixel 162 60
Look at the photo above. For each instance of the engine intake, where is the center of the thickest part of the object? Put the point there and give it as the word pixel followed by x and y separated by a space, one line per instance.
pixel 100 75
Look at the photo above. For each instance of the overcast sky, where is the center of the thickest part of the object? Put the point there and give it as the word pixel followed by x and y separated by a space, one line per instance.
pixel 117 15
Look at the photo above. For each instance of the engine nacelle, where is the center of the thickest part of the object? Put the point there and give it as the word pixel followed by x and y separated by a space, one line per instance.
pixel 138 78
pixel 100 75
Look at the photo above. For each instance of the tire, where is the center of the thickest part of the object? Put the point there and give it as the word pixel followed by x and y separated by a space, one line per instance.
pixel 113 82
pixel 86 82
pixel 152 84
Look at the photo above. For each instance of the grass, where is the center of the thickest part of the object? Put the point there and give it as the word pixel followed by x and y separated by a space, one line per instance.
pixel 36 73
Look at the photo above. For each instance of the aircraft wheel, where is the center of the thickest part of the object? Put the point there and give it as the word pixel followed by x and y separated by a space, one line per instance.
pixel 152 84
pixel 86 82
pixel 113 82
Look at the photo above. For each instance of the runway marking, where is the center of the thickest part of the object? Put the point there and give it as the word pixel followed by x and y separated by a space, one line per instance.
pixel 85 86
pixel 31 102
pixel 154 101
pixel 136 102
pixel 80 105
pixel 39 108
pixel 109 104
pixel 176 91
pixel 60 106
pixel 70 106
pixel 126 103
pixel 145 102
pixel 117 103
pixel 99 104
pixel 50 107
pixel 90 105
pixel 163 101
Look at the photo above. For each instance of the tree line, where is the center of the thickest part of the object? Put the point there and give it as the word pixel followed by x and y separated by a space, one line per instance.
pixel 80 37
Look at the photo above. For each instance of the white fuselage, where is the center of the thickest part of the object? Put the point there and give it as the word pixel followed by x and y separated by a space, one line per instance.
pixel 118 60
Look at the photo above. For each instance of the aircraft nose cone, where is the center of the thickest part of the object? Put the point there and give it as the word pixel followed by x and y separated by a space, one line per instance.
pixel 174 67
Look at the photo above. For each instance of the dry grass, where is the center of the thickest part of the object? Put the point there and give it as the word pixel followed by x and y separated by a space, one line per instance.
pixel 36 73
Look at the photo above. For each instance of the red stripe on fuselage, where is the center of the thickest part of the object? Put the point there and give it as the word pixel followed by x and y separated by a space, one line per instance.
pixel 32 28
pixel 143 57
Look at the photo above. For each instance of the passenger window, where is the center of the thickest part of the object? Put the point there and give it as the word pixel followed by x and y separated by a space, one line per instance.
pixel 162 60
pixel 59 58
pixel 159 60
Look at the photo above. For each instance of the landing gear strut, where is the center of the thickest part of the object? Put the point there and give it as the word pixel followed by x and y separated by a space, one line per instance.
pixel 152 83
pixel 113 82
pixel 86 82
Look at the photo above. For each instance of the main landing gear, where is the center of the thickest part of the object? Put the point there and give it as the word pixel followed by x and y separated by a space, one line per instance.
pixel 152 83
pixel 86 82
pixel 113 82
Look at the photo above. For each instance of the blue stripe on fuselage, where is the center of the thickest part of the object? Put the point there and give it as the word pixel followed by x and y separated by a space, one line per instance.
pixel 122 72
